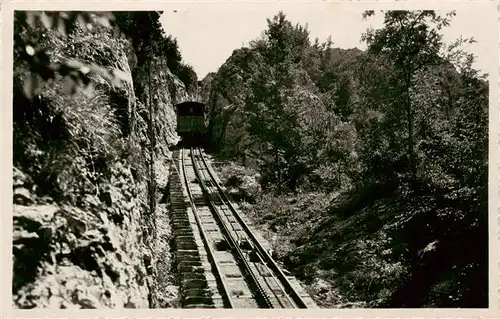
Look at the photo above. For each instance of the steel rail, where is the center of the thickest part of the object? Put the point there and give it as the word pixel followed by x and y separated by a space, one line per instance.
pixel 273 276
pixel 253 279
pixel 270 262
pixel 211 254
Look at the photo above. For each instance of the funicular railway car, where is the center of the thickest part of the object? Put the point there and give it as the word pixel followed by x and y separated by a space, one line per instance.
pixel 191 123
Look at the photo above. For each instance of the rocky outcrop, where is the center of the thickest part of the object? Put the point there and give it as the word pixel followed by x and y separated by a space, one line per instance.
pixel 84 235
pixel 228 89
pixel 67 257
pixel 163 89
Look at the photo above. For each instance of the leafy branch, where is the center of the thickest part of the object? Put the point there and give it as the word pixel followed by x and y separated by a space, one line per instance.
pixel 30 28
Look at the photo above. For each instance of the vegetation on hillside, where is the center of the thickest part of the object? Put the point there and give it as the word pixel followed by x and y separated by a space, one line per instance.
pixel 148 38
pixel 396 136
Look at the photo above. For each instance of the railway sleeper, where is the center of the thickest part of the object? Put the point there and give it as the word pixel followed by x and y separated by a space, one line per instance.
pixel 197 300
pixel 177 202
pixel 193 275
pixel 182 233
pixel 177 209
pixel 199 201
pixel 184 225
pixel 180 216
pixel 196 292
pixel 180 212
pixel 190 268
pixel 176 198
pixel 187 253
pixel 181 226
pixel 194 283
pixel 199 306
pixel 185 245
pixel 187 256
pixel 190 263
pixel 185 239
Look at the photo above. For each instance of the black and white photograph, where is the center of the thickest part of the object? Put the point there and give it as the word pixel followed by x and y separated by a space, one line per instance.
pixel 247 155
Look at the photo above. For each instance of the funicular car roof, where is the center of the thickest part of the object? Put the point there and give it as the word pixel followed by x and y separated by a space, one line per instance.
pixel 196 105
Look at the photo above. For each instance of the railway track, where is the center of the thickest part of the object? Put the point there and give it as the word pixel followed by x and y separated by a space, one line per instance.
pixel 197 291
pixel 239 271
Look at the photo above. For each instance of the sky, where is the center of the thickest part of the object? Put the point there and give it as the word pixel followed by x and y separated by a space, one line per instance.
pixel 208 32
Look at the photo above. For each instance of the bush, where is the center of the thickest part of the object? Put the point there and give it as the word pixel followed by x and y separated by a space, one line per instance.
pixel 66 140
pixel 242 182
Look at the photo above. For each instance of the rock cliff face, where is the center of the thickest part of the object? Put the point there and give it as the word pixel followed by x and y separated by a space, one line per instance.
pixel 165 91
pixel 227 90
pixel 67 256
pixel 84 236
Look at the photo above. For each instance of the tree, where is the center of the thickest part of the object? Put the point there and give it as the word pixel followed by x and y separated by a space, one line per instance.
pixel 272 118
pixel 444 106
pixel 171 51
pixel 188 76
pixel 411 40
pixel 143 28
